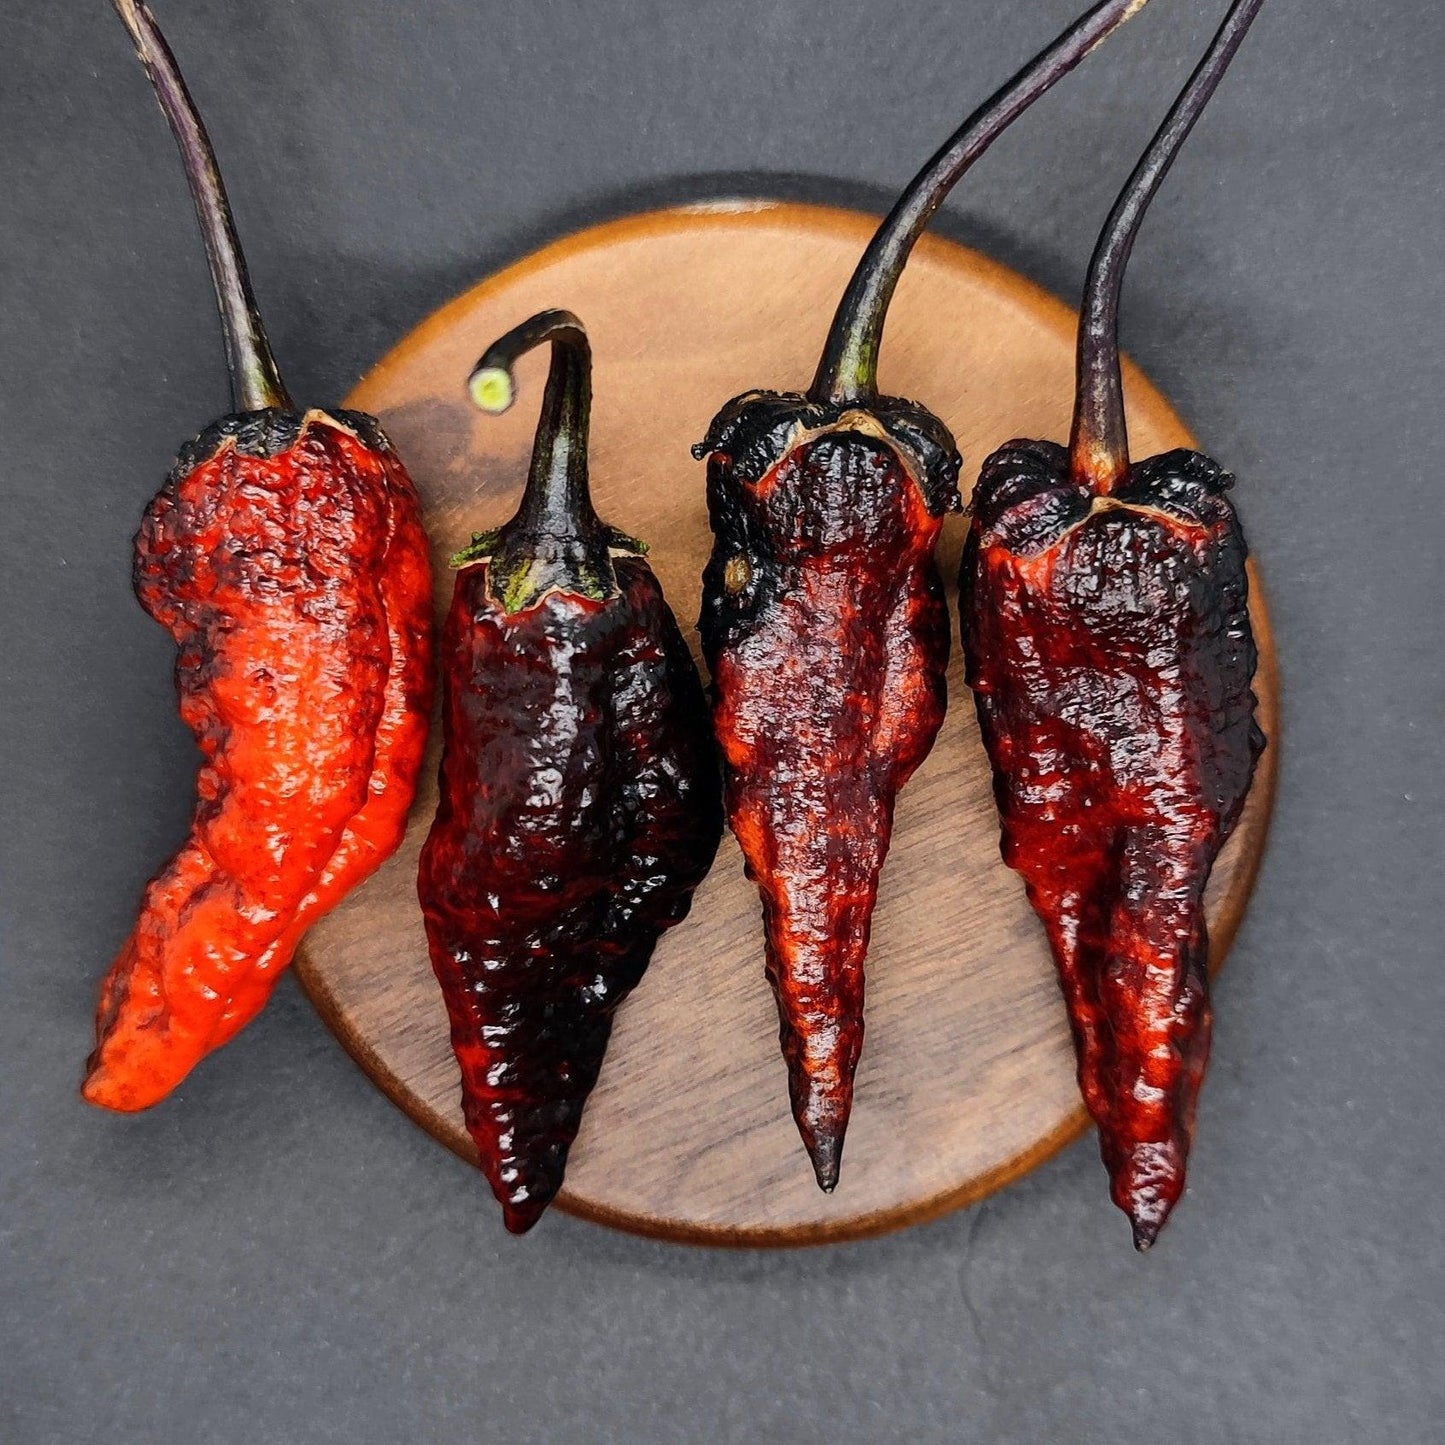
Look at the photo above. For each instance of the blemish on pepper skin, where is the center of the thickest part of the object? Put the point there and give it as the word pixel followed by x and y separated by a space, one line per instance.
pixel 737 574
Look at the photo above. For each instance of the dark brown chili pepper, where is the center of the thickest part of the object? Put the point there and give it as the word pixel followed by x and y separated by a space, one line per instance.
pixel 1105 621
pixel 580 799
pixel 824 623
pixel 286 557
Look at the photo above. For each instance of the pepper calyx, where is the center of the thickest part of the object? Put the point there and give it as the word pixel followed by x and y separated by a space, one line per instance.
pixel 620 544
pixel 269 432
pixel 1027 499
pixel 757 429
pixel 556 543
pixel 525 568
pixel 479 549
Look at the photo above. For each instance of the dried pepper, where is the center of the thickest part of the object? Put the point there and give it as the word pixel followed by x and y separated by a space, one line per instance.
pixel 1106 625
pixel 580 797
pixel 285 556
pixel 824 623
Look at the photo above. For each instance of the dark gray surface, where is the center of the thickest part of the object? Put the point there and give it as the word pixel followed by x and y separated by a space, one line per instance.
pixel 277 1254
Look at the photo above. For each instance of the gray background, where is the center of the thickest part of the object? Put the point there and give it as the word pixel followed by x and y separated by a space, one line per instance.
pixel 277 1254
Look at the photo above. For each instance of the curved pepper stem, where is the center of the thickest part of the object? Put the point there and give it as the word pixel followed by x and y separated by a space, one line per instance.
pixel 255 379
pixel 848 370
pixel 1099 442
pixel 556 542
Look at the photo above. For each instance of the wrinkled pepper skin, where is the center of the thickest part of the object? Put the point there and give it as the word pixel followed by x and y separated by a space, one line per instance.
pixel 1110 656
pixel 824 624
pixel 580 801
pixel 579 810
pixel 1105 619
pixel 285 556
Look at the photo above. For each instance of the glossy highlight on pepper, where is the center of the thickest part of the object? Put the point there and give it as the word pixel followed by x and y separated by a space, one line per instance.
pixel 1106 626
pixel 285 556
pixel 824 624
pixel 580 798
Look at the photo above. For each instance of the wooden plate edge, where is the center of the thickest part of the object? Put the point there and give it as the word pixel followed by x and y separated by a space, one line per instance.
pixel 725 212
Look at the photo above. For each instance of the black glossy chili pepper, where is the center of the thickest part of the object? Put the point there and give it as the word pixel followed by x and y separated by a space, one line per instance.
pixel 824 623
pixel 285 556
pixel 1106 625
pixel 580 798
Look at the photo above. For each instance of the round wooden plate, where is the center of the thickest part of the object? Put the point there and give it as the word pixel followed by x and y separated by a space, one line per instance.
pixel 967 1075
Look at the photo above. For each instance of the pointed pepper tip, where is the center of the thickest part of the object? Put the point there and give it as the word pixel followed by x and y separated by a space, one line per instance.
pixel 1146 1231
pixel 520 1215
pixel 826 1153
pixel 104 1090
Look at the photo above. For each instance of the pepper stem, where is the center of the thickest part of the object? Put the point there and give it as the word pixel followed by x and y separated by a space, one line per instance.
pixel 1099 442
pixel 848 370
pixel 556 542
pixel 255 380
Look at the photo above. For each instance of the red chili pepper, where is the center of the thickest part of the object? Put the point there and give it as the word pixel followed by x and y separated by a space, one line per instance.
pixel 1105 620
pixel 286 557
pixel 579 790
pixel 824 624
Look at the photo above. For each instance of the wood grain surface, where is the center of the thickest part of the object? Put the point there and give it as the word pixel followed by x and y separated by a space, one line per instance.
pixel 967 1078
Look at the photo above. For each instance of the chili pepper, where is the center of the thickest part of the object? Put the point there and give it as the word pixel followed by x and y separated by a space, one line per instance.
pixel 580 800
pixel 285 555
pixel 824 624
pixel 1106 625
